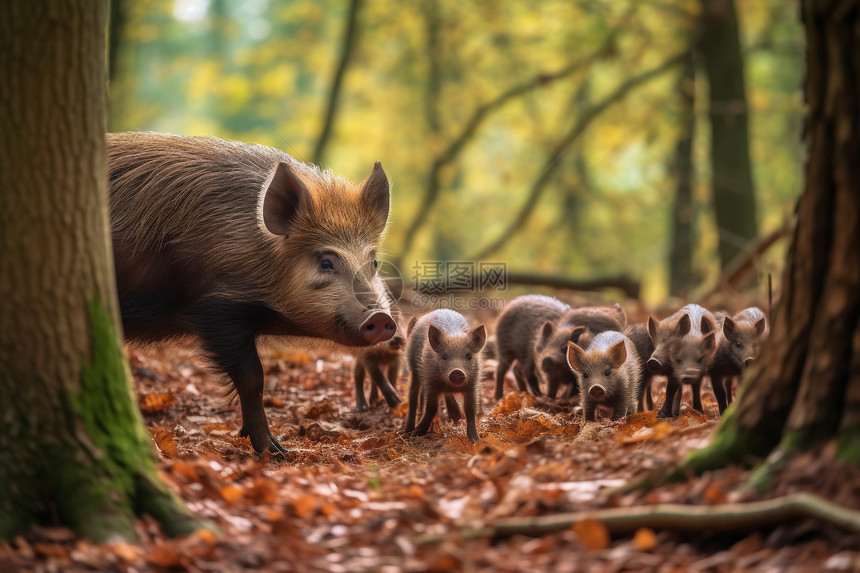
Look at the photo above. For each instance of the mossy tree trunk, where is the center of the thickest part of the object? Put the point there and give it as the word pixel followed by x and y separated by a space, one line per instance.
pixel 72 441
pixel 805 389
pixel 731 173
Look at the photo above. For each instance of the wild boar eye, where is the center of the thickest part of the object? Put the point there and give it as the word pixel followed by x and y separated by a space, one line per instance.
pixel 375 264
pixel 444 357
pixel 585 374
pixel 607 372
pixel 739 344
pixel 326 265
pixel 468 356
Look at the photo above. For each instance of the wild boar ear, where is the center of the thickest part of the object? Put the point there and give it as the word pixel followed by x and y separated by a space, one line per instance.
pixel 575 356
pixel 760 326
pixel 546 331
pixel 376 197
pixel 730 329
pixel 411 325
pixel 684 325
pixel 477 338
pixel 436 339
pixel 285 197
pixel 652 328
pixel 617 354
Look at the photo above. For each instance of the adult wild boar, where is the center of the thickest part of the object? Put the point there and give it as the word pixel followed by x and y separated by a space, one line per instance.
pixel 231 241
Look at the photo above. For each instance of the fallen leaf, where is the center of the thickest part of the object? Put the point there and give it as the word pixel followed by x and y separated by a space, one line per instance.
pixel 156 402
pixel 644 539
pixel 592 533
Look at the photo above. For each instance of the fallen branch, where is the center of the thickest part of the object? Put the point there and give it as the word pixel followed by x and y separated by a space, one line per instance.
pixel 724 518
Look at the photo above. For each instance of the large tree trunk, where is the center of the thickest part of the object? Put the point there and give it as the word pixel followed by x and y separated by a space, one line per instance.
pixel 72 439
pixel 805 389
pixel 731 173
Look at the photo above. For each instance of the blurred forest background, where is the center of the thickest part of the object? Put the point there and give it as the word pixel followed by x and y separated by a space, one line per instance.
pixel 574 138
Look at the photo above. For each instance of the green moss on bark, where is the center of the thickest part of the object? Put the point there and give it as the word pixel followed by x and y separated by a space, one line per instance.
pixel 110 476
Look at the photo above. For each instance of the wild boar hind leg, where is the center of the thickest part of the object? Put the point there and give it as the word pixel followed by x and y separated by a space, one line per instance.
pixel 383 385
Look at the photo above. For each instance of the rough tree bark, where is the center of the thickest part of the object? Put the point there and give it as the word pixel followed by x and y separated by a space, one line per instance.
pixel 731 172
pixel 805 389
pixel 73 441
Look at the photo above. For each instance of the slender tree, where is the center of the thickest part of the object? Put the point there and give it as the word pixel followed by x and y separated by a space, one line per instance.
pixel 805 389
pixel 681 250
pixel 73 442
pixel 731 172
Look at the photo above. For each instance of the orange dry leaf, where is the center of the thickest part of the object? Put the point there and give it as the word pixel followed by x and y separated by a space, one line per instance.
pixel 263 492
pixel 274 401
pixel 185 470
pixel 231 493
pixel 209 428
pixel 715 493
pixel 304 505
pixel 163 555
pixel 165 441
pixel 513 402
pixel 400 410
pixel 644 539
pixel 592 533
pixel 205 535
pixel 156 402
pixel 126 551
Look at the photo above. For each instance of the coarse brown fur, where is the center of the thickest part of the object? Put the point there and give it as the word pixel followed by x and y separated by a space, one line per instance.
pixel 231 241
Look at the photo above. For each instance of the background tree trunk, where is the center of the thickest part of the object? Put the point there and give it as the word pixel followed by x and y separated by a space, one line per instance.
pixel 805 389
pixel 681 253
pixel 731 173
pixel 73 442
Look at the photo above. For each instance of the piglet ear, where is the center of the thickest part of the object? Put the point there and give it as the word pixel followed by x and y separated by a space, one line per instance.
pixel 546 331
pixel 575 357
pixel 730 329
pixel 411 324
pixel 576 334
pixel 684 325
pixel 285 197
pixel 376 197
pixel 436 339
pixel 652 328
pixel 617 354
pixel 761 326
pixel 707 325
pixel 477 337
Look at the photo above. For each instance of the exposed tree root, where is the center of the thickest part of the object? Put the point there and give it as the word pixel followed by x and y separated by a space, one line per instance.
pixel 730 517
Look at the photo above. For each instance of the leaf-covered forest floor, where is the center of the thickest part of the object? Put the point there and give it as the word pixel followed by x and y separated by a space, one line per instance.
pixel 356 495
